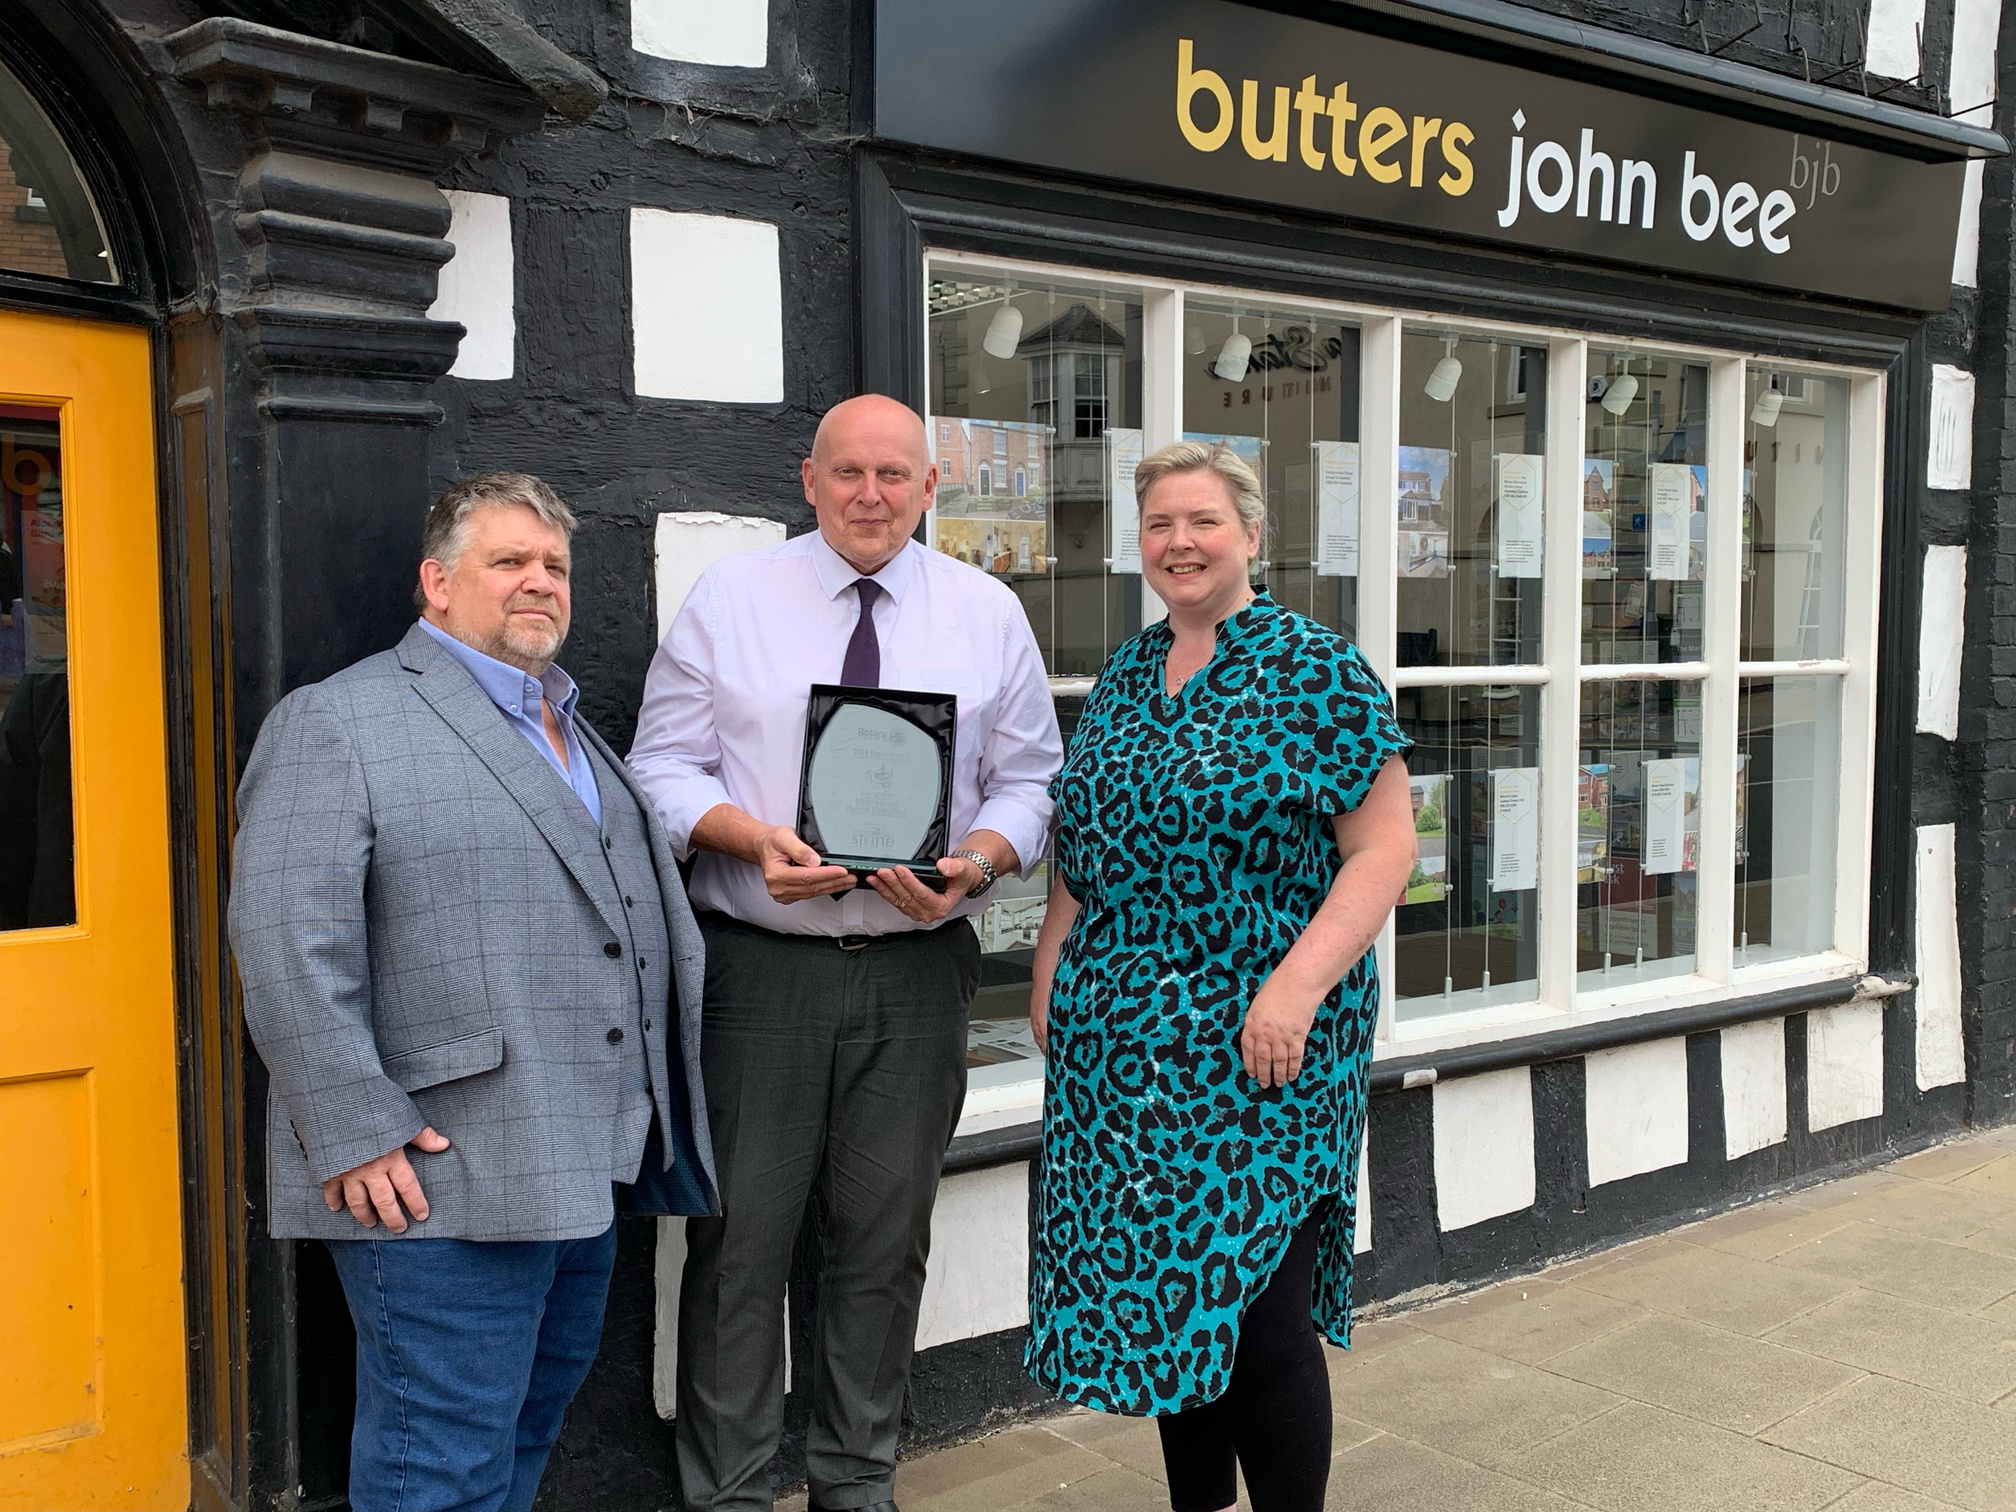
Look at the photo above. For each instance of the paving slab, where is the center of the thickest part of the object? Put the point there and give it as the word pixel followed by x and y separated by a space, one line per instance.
pixel 994 1472
pixel 1904 1265
pixel 2002 1314
pixel 1765 1231
pixel 1944 1162
pixel 1968 1356
pixel 1645 1459
pixel 1114 1489
pixel 1528 1321
pixel 1998 1238
pixel 1133 1443
pixel 1729 1291
pixel 1389 1474
pixel 1948 1211
pixel 1996 1179
pixel 1729 1379
pixel 1925 1441
pixel 1464 1401
pixel 1875 1496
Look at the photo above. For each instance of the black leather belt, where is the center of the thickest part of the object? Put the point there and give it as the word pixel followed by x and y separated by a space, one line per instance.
pixel 853 942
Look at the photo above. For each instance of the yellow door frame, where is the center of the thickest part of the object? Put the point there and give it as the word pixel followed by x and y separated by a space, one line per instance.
pixel 93 1374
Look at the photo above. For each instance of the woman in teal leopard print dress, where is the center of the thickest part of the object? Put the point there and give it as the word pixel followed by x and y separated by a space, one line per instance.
pixel 1234 829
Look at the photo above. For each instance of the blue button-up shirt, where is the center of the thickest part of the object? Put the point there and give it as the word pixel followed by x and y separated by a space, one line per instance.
pixel 517 695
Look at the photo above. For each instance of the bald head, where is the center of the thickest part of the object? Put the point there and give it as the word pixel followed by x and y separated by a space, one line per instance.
pixel 869 478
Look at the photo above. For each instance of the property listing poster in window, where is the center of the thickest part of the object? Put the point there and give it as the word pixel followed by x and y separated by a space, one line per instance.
pixel 1123 455
pixel 1679 493
pixel 1336 465
pixel 1518 482
pixel 1424 507
pixel 1592 823
pixel 1429 881
pixel 1671 815
pixel 993 491
pixel 1599 504
pixel 1515 829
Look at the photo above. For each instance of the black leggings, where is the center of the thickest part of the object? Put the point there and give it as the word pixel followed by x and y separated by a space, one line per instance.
pixel 1274 1419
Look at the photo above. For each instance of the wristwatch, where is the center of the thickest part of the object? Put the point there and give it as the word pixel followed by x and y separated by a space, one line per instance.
pixel 988 876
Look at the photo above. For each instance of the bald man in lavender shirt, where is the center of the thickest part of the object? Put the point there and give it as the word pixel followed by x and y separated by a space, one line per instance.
pixel 834 1029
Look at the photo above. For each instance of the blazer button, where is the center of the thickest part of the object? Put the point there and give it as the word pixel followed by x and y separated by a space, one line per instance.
pixel 613 951
pixel 642 963
pixel 628 901
pixel 647 1023
pixel 615 1036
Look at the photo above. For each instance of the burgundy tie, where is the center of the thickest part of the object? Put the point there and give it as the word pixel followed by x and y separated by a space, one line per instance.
pixel 863 666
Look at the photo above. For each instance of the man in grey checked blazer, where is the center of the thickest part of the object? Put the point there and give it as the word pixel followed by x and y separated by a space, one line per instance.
pixel 471 970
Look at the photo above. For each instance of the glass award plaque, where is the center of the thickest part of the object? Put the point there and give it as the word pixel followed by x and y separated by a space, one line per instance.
pixel 876 787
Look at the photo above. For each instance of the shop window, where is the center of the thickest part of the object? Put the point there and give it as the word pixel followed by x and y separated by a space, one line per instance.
pixel 1043 380
pixel 1795 553
pixel 48 221
pixel 1280 387
pixel 1608 587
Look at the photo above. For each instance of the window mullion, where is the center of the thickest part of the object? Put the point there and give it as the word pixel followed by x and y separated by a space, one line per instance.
pixel 1561 647
pixel 1378 540
pixel 1721 614
pixel 1858 687
pixel 1161 393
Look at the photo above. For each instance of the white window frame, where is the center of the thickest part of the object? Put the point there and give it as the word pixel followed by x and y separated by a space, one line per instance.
pixel 1561 1001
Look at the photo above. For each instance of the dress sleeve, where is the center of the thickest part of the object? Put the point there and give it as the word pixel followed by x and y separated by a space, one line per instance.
pixel 1353 732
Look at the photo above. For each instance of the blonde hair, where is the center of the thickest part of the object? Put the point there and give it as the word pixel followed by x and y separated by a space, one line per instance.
pixel 1207 456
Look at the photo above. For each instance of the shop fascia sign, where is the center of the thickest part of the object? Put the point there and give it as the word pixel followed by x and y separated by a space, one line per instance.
pixel 1232 101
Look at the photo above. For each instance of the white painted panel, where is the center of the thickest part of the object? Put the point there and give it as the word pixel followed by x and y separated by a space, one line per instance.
pixel 978 1278
pixel 1942 618
pixel 1483 1146
pixel 1949 459
pixel 1892 48
pixel 706 308
pixel 1967 241
pixel 478 285
pixel 686 545
pixel 1361 1235
pixel 1970 84
pixel 1753 1086
pixel 1844 1064
pixel 668 1271
pixel 724 33
pixel 1942 1060
pixel 1636 1106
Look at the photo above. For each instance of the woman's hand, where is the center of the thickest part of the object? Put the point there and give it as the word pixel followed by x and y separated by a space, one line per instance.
pixel 1271 1039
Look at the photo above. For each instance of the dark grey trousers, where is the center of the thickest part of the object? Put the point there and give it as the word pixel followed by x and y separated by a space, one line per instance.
pixel 841 1067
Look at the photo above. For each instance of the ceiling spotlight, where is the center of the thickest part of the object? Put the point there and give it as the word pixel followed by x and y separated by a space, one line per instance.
pixel 1233 357
pixel 1441 384
pixel 1621 391
pixel 1765 411
pixel 1196 340
pixel 1004 331
pixel 982 384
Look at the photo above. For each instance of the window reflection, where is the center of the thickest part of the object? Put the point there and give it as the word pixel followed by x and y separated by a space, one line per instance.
pixel 1281 389
pixel 1473 442
pixel 37 875
pixel 48 223
pixel 1638 831
pixel 1788 787
pixel 1644 509
pixel 1795 516
pixel 1035 390
pixel 1468 922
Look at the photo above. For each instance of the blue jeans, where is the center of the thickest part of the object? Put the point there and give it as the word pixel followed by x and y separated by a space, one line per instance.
pixel 468 1353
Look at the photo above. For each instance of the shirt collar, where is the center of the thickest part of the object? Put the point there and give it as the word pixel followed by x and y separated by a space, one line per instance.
pixel 837 574
pixel 511 688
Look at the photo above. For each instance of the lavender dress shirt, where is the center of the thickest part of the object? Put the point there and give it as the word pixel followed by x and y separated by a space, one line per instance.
pixel 724 710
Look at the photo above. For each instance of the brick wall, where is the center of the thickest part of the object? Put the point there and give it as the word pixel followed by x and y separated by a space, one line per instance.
pixel 29 245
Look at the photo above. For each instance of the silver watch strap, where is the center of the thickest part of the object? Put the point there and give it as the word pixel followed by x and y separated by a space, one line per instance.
pixel 988 876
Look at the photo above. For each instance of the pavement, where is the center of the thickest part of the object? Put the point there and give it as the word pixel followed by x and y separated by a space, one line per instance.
pixel 1850 1347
